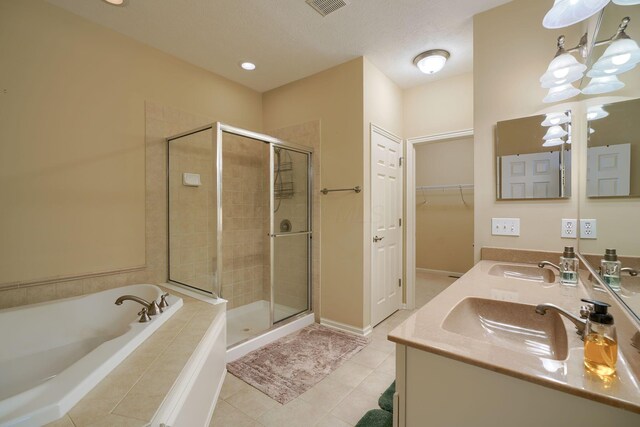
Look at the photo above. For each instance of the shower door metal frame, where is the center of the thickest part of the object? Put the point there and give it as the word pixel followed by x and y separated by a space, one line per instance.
pixel 273 142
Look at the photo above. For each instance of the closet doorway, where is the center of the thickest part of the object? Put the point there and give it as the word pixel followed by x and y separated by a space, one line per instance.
pixel 440 205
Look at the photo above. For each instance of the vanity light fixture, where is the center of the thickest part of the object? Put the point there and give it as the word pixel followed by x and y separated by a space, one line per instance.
pixel 626 2
pixel 621 54
pixel 596 112
pixel 431 61
pixel 569 12
pixel 249 66
pixel 553 119
pixel 116 2
pixel 563 69
pixel 555 132
pixel 560 93
pixel 599 85
pixel 553 142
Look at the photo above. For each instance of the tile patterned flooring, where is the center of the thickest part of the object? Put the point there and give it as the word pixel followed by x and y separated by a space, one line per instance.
pixel 340 399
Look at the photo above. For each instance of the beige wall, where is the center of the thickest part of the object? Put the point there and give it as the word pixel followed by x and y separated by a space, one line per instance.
pixel 72 161
pixel 335 98
pixel 504 88
pixel 444 221
pixel 442 106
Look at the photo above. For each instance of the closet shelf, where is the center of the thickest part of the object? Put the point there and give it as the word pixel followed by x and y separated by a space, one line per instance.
pixel 445 187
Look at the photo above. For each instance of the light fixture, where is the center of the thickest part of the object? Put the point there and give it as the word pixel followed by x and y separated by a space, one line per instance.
pixel 596 113
pixel 569 12
pixel 553 142
pixel 555 132
pixel 622 53
pixel 560 93
pixel 553 119
pixel 116 2
pixel 599 85
pixel 611 71
pixel 431 61
pixel 249 66
pixel 563 69
pixel 626 2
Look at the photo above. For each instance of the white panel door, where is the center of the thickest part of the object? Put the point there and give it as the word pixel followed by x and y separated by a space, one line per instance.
pixel 386 214
pixel 527 176
pixel 609 170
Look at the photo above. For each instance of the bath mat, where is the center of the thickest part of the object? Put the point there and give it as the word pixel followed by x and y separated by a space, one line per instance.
pixel 386 400
pixel 288 367
pixel 376 418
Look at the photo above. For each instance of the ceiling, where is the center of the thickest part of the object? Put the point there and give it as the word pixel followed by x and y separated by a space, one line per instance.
pixel 288 40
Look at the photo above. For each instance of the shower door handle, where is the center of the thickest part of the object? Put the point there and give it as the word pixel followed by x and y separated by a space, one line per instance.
pixel 376 239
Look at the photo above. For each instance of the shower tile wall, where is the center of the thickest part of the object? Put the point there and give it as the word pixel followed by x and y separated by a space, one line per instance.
pixel 244 206
pixel 193 243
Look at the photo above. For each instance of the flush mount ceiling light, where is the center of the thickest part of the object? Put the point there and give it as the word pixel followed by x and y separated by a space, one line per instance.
pixel 560 93
pixel 553 119
pixel 431 61
pixel 555 132
pixel 599 85
pixel 116 2
pixel 553 142
pixel 596 113
pixel 569 12
pixel 249 66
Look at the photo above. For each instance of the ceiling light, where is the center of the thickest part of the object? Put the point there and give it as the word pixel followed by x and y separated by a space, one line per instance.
pixel 599 85
pixel 626 2
pixel 116 2
pixel 431 61
pixel 563 69
pixel 620 53
pixel 560 93
pixel 553 142
pixel 555 132
pixel 553 119
pixel 596 112
pixel 569 12
pixel 249 66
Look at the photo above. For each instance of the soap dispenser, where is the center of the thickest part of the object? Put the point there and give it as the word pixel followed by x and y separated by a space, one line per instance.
pixel 569 267
pixel 600 341
pixel 610 269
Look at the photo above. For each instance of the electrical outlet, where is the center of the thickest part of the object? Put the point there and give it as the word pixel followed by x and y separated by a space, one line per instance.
pixel 505 226
pixel 588 229
pixel 569 229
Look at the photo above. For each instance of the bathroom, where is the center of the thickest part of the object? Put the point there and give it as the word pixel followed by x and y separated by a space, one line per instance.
pixel 92 94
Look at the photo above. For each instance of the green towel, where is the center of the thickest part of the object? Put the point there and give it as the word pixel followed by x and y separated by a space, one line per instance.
pixel 376 418
pixel 386 400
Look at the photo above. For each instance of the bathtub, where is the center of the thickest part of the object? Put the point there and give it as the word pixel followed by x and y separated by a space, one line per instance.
pixel 52 354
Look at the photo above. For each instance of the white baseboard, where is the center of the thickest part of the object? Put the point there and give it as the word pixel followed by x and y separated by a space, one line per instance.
pixel 363 332
pixel 448 273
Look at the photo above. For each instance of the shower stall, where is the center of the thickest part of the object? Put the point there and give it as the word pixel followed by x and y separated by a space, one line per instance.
pixel 240 224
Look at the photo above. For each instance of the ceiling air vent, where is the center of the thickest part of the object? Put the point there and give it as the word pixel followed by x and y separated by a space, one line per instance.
pixel 325 7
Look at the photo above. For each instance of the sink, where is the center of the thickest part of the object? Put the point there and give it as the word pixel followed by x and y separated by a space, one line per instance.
pixel 523 272
pixel 510 325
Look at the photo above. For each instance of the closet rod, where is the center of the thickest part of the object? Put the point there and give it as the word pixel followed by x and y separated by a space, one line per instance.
pixel 445 187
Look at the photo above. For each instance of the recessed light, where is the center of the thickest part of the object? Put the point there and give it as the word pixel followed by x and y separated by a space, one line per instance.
pixel 116 2
pixel 431 61
pixel 249 66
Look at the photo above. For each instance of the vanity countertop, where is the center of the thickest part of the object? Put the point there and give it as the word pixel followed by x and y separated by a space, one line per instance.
pixel 424 331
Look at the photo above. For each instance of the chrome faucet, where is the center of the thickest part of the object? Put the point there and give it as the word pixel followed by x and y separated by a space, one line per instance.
pixel 580 324
pixel 151 307
pixel 543 264
pixel 629 270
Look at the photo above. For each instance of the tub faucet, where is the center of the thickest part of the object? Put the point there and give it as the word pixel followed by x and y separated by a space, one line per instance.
pixel 152 307
pixel 580 324
pixel 543 264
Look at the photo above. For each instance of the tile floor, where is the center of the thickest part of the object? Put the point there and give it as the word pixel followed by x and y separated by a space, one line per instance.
pixel 340 399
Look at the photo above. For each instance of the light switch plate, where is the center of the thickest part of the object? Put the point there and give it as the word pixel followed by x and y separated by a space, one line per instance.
pixel 569 229
pixel 505 226
pixel 588 229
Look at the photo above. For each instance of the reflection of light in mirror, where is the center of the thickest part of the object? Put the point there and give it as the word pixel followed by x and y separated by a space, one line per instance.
pixel 555 132
pixel 552 119
pixel 596 112
pixel 620 52
pixel 609 71
pixel 606 84
pixel 553 142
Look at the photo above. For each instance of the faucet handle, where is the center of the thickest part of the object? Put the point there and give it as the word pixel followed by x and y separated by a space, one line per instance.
pixel 585 311
pixel 163 301
pixel 144 316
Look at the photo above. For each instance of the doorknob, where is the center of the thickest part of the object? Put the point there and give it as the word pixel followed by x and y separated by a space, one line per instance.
pixel 376 239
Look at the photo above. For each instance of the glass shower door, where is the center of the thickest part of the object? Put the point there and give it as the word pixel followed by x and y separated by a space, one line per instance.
pixel 290 232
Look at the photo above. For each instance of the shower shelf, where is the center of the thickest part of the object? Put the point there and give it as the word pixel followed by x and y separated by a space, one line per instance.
pixel 284 167
pixel 283 190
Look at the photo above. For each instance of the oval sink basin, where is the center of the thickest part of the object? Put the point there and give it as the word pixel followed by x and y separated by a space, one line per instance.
pixel 510 325
pixel 522 272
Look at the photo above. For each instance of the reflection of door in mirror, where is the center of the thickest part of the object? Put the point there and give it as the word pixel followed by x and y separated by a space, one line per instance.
pixel 530 176
pixel 609 170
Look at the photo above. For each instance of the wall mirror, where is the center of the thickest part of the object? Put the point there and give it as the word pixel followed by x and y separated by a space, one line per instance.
pixel 610 165
pixel 533 157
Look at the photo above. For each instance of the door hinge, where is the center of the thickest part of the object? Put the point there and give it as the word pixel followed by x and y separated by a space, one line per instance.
pixel 399 283
pixel 401 160
pixel 400 222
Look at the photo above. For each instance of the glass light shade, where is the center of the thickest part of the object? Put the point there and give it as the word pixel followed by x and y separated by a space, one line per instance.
pixel 555 132
pixel 599 85
pixel 563 69
pixel 560 93
pixel 432 64
pixel 553 119
pixel 569 12
pixel 553 142
pixel 116 2
pixel 596 112
pixel 249 66
pixel 591 131
pixel 619 53
pixel 626 2
pixel 611 71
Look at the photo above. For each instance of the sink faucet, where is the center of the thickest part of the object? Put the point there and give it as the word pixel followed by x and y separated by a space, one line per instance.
pixel 543 264
pixel 629 270
pixel 580 324
pixel 152 307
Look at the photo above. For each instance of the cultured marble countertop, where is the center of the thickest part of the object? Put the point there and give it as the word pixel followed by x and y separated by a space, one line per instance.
pixel 424 331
